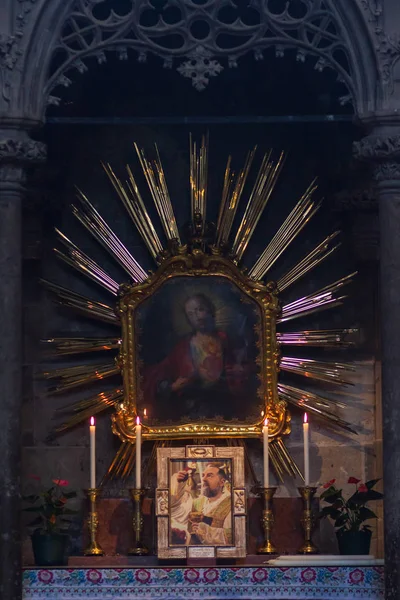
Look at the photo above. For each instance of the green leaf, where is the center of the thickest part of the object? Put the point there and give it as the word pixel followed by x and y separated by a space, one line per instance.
pixel 329 511
pixel 370 484
pixel 342 520
pixel 366 513
pixel 369 496
pixel 331 495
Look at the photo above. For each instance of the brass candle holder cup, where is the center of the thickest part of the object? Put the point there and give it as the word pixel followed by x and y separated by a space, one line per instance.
pixel 138 548
pixel 93 548
pixel 307 520
pixel 267 520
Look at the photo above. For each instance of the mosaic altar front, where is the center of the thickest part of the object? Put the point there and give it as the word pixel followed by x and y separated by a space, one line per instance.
pixel 229 583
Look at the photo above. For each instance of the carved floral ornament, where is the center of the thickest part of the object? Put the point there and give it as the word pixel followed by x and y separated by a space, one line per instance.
pixel 384 152
pixel 202 37
pixel 22 150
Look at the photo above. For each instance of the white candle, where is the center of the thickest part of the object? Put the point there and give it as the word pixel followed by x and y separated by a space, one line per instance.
pixel 138 453
pixel 92 429
pixel 306 451
pixel 266 455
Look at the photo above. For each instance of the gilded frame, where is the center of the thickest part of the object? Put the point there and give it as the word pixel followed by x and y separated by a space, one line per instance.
pixel 239 508
pixel 199 264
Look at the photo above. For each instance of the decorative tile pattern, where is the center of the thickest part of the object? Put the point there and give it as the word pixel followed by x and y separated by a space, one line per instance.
pixel 319 583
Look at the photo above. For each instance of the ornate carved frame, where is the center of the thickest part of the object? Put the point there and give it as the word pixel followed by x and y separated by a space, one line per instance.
pixel 199 264
pixel 164 455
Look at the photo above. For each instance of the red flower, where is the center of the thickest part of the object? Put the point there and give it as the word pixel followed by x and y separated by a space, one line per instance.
pixel 329 483
pixel 362 488
pixel 308 575
pixel 94 576
pixel 142 576
pixel 191 575
pixel 45 576
pixel 259 575
pixel 353 480
pixel 211 575
pixel 356 576
pixel 61 482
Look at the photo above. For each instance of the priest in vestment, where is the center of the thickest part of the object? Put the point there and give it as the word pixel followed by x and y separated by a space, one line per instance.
pixel 206 519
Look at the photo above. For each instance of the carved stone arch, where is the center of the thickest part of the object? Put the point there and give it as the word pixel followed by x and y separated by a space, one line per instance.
pixel 333 31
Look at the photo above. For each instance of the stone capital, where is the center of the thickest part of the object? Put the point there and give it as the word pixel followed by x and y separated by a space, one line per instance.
pixel 21 150
pixel 17 152
pixel 382 151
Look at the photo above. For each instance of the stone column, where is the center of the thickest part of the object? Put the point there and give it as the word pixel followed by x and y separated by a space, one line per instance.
pixel 382 149
pixel 16 151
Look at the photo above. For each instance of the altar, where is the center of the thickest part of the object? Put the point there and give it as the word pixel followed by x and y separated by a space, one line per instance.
pixel 314 581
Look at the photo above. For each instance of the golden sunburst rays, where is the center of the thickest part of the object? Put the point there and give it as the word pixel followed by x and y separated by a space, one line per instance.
pixel 135 207
pixel 82 304
pixel 301 214
pixel 86 265
pixel 328 372
pixel 324 298
pixel 82 410
pixel 309 262
pixel 155 177
pixel 282 461
pixel 318 338
pixel 315 404
pixel 79 375
pixel 231 194
pixel 234 188
pixel 55 347
pixel 266 180
pixel 123 462
pixel 97 226
pixel 198 179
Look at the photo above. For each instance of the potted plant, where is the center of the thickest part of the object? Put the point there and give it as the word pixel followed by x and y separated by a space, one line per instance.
pixel 50 535
pixel 349 516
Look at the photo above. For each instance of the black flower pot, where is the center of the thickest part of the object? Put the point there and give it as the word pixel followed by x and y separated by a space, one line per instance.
pixel 49 549
pixel 354 542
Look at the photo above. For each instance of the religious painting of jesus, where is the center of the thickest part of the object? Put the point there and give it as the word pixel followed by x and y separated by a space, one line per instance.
pixel 197 347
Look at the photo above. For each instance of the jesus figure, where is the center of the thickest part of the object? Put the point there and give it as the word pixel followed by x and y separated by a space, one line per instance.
pixel 202 368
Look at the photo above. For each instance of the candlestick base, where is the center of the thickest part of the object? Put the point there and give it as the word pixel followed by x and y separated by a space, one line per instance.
pixel 93 548
pixel 267 520
pixel 138 547
pixel 307 520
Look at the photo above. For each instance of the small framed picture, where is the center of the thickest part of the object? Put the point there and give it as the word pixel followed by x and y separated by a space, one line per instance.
pixel 201 502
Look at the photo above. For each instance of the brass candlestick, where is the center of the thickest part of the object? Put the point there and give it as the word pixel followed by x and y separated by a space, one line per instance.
pixel 307 493
pixel 267 520
pixel 138 548
pixel 93 548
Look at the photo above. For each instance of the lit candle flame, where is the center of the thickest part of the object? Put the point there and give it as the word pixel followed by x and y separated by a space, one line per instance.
pixel 305 418
pixel 92 421
pixel 266 422
pixel 145 412
pixel 138 420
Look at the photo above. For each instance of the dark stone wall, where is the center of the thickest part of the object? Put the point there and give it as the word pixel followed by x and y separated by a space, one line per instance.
pixel 314 149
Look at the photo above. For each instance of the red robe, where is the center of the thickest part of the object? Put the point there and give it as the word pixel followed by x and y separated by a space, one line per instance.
pixel 217 372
